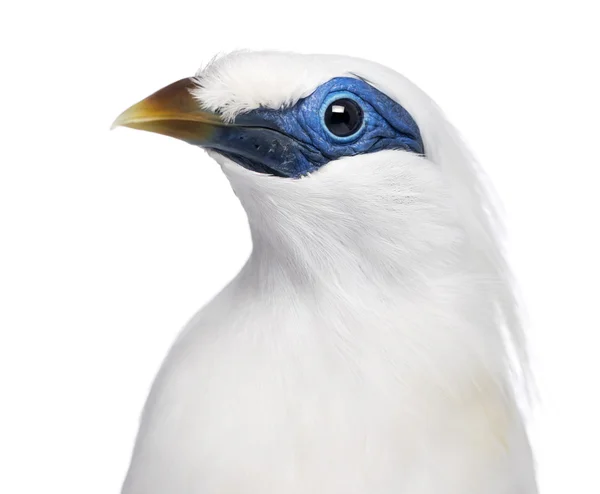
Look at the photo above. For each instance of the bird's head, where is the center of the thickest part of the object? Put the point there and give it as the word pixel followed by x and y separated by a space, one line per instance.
pixel 334 158
pixel 353 181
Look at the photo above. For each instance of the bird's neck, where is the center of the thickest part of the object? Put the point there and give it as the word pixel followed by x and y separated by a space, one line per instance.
pixel 384 217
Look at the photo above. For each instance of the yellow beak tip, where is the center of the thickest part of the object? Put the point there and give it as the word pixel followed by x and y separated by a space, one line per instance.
pixel 125 118
pixel 171 111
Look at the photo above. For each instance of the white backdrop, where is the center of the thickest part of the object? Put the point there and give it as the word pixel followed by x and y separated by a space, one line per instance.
pixel 110 241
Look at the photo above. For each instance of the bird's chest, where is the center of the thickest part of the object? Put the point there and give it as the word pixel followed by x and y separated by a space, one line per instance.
pixel 291 409
pixel 290 403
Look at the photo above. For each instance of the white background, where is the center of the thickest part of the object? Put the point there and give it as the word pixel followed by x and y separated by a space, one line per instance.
pixel 110 241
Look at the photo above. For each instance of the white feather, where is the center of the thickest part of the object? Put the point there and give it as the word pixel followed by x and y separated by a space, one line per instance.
pixel 361 349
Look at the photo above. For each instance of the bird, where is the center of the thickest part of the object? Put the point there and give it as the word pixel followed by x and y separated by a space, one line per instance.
pixel 372 343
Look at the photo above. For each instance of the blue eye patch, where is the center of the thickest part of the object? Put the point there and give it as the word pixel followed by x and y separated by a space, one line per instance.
pixel 343 117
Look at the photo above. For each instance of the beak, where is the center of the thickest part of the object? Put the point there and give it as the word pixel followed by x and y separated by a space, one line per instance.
pixel 173 111
pixel 252 141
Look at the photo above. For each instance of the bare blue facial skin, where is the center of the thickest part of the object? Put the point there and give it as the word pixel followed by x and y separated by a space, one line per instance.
pixel 295 141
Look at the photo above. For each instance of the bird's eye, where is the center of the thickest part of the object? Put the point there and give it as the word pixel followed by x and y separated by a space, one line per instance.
pixel 343 117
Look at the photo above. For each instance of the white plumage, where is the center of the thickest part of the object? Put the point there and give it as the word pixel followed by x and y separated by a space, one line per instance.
pixel 370 344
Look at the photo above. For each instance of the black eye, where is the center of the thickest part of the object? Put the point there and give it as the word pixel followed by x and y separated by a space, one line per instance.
pixel 343 117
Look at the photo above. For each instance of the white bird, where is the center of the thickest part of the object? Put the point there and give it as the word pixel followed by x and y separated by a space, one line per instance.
pixel 371 344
